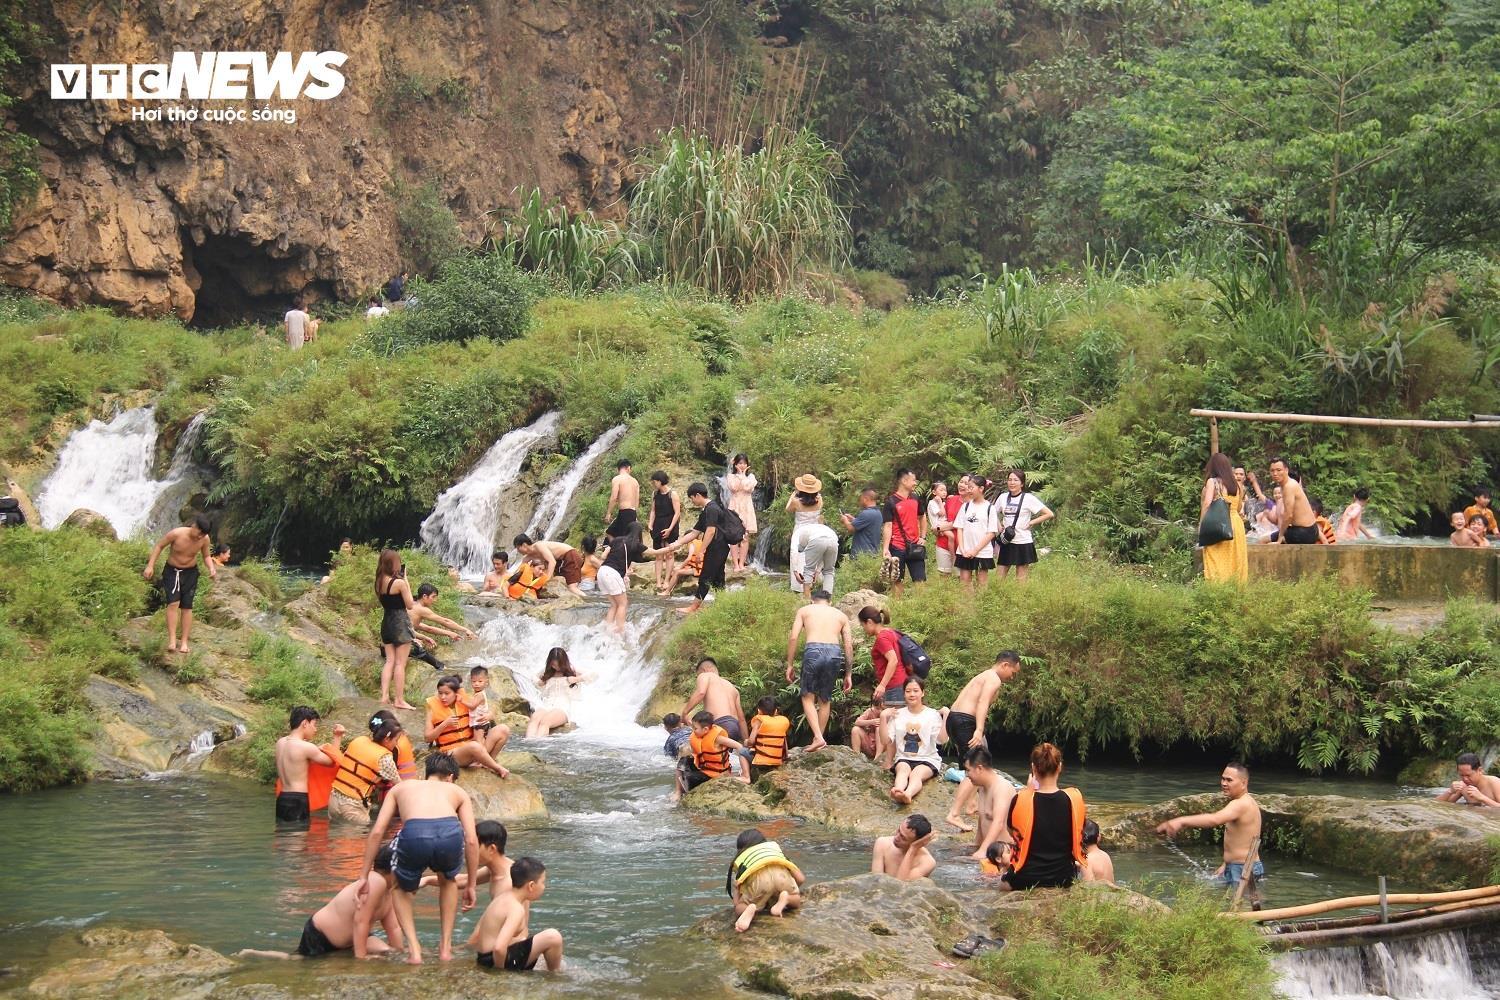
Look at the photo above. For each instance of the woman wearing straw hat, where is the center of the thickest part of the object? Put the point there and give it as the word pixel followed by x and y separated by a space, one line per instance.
pixel 806 506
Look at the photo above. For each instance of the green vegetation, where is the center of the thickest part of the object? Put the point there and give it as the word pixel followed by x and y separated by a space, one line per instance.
pixel 1117 661
pixel 427 228
pixel 284 677
pixel 573 248
pixel 1100 946
pixel 473 295
pixel 63 598
pixel 19 177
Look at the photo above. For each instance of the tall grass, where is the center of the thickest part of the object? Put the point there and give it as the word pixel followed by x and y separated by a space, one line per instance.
pixel 580 250
pixel 740 224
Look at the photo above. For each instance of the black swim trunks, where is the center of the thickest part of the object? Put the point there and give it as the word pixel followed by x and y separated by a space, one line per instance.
pixel 315 943
pixel 1305 535
pixel 178 585
pixel 961 729
pixel 517 957
pixel 291 807
pixel 622 522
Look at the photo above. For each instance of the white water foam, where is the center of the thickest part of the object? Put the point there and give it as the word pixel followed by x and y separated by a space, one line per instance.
pixel 460 531
pixel 621 676
pixel 553 507
pixel 178 483
pixel 1434 967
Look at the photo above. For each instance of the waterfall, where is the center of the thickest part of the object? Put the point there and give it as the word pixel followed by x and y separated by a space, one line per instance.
pixel 460 531
pixel 1436 966
pixel 762 549
pixel 553 507
pixel 180 479
pixel 106 467
pixel 622 678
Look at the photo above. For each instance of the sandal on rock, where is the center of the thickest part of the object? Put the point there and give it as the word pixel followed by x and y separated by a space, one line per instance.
pixel 976 945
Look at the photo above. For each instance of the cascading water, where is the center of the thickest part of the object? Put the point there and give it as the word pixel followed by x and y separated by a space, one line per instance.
pixel 180 479
pixel 460 531
pixel 762 549
pixel 552 509
pixel 106 467
pixel 1436 966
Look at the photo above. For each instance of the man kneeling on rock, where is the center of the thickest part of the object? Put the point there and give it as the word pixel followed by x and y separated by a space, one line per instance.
pixel 1240 819
pixel 1473 787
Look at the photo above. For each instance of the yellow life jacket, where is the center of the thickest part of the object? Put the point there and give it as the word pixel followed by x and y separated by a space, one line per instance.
pixel 752 859
pixel 1023 817
pixel 359 771
pixel 450 737
pixel 770 740
pixel 708 756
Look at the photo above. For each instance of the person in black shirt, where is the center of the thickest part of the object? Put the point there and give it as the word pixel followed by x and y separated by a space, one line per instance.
pixel 710 528
pixel 1046 826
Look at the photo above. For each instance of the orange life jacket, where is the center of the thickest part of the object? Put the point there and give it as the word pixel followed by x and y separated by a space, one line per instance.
pixel 708 756
pixel 770 740
pixel 1023 816
pixel 1325 531
pixel 695 556
pixel 406 759
pixel 452 736
pixel 528 582
pixel 359 771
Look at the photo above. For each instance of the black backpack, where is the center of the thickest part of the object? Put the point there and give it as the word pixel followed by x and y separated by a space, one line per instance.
pixel 10 512
pixel 733 528
pixel 913 656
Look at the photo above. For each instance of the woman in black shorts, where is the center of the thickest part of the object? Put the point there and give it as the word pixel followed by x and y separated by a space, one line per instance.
pixel 666 516
pixel 394 594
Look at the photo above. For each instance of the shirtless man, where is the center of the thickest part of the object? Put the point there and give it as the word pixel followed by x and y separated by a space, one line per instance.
pixel 966 722
pixel 424 618
pixel 827 629
pixel 905 855
pixel 504 932
pixel 1240 819
pixel 624 497
pixel 1473 787
pixel 437 832
pixel 720 698
pixel 179 581
pixel 556 558
pixel 994 794
pixel 345 922
pixel 294 752
pixel 495 580
pixel 1294 515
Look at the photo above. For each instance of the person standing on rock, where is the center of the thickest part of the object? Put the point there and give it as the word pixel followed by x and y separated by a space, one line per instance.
pixel 294 752
pixel 666 517
pixel 297 321
pixel 829 645
pixel 613 576
pixel 905 855
pixel 624 497
pixel 864 527
pixel 966 719
pixel 437 833
pixel 710 527
pixel 741 483
pixel 1240 819
pixel 720 698
pixel 557 558
pixel 904 529
pixel 179 581
pixel 396 635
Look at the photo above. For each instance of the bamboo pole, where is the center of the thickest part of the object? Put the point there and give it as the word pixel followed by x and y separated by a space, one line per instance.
pixel 1351 902
pixel 1319 418
pixel 1213 435
pixel 1354 936
pixel 1247 874
pixel 1303 926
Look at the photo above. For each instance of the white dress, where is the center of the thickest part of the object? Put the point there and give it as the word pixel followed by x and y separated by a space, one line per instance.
pixel 800 520
pixel 557 696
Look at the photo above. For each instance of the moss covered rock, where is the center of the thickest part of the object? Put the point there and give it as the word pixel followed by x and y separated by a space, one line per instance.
pixel 93 522
pixel 121 962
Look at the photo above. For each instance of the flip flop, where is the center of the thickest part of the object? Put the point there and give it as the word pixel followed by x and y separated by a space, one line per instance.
pixel 965 948
pixel 976 945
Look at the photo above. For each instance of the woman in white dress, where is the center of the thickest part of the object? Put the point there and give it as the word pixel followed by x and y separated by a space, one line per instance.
pixel 806 506
pixel 555 704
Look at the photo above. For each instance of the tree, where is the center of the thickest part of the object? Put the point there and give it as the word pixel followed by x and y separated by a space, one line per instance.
pixel 19 178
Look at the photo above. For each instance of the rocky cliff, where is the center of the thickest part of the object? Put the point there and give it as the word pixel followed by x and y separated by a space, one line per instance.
pixel 209 220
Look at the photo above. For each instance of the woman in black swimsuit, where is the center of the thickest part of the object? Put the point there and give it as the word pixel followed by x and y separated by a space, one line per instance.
pixel 666 515
pixel 394 594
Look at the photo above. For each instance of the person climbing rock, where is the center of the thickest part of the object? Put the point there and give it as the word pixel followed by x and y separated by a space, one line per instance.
pixel 179 581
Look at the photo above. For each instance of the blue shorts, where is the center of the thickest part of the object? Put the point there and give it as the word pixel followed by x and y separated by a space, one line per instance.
pixel 428 843
pixel 822 662
pixel 1235 870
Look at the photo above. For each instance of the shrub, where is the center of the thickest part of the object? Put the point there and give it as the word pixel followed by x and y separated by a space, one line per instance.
pixel 473 295
pixel 426 228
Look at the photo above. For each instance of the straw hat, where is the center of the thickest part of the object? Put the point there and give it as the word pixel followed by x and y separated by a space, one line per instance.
pixel 808 484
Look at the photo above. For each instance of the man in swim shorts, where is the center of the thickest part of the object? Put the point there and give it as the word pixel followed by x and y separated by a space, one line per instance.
pixel 346 921
pixel 504 931
pixel 1240 819
pixel 829 647
pixel 720 698
pixel 966 722
pixel 179 581
pixel 294 752
pixel 558 559
pixel 624 496
pixel 437 832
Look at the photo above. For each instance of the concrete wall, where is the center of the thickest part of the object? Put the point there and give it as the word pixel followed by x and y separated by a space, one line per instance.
pixel 1391 572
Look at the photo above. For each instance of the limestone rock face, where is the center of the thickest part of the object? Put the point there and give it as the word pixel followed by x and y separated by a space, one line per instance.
pixel 512 800
pixel 836 788
pixel 93 522
pixel 212 220
pixel 131 963
pixel 1429 843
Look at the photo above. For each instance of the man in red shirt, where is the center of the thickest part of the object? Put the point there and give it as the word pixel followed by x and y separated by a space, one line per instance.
pixel 904 530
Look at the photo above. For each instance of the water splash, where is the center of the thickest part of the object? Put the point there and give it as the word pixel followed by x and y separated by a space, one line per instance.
pixel 553 507
pixel 1436 966
pixel 107 468
pixel 460 531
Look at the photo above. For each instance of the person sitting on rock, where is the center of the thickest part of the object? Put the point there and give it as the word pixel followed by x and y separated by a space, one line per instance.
pixel 504 931
pixel 915 732
pixel 450 729
pixel 769 731
pixel 761 878
pixel 712 750
pixel 905 855
pixel 345 922
pixel 1046 825
pixel 423 617
pixel 866 734
pixel 1473 787
pixel 497 579
pixel 1240 819
pixel 1100 868
pixel 679 734
pixel 992 794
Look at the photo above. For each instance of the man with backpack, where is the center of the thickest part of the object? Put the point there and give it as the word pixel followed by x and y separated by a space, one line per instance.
pixel 719 528
pixel 829 646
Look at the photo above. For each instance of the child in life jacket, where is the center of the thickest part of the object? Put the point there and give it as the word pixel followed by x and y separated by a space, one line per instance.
pixel 761 878
pixel 713 755
pixel 766 746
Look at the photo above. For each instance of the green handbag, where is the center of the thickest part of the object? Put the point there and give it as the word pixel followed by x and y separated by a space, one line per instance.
pixel 1215 526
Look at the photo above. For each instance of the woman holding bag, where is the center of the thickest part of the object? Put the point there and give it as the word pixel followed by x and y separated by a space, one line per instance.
pixel 1221 529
